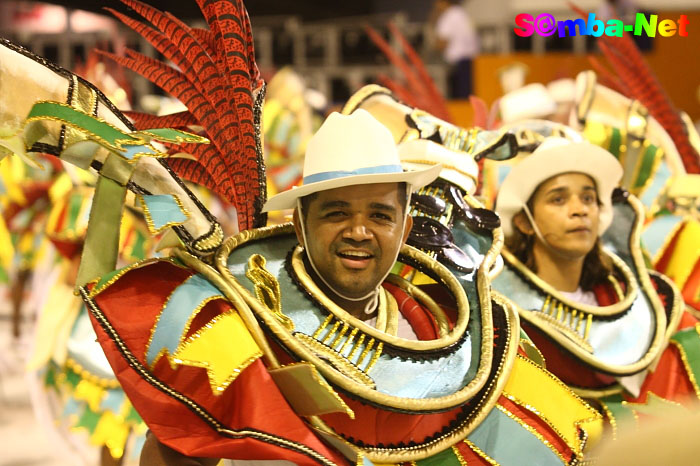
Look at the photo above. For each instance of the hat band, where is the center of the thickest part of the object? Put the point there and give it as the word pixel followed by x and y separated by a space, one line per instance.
pixel 323 176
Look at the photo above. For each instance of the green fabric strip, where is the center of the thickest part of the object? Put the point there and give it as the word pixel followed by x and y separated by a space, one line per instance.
pixel 172 135
pixel 49 110
pixel 75 203
pixel 444 458
pixel 689 340
pixel 510 444
pixel 106 278
pixel 102 239
pixel 646 166
pixel 615 140
pixel 117 169
pixel 138 250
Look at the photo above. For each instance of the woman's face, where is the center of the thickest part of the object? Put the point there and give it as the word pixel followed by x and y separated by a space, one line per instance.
pixel 567 213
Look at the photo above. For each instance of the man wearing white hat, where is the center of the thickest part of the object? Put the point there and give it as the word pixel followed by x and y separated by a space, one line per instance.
pixel 377 367
pixel 352 210
pixel 594 312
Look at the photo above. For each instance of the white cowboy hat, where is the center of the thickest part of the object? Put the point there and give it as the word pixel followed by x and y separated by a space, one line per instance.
pixel 348 150
pixel 554 157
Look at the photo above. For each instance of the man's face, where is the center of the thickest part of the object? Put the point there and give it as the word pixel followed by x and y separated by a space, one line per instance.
pixel 565 208
pixel 354 234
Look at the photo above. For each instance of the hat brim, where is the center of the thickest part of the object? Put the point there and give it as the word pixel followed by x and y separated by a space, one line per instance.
pixel 288 199
pixel 528 174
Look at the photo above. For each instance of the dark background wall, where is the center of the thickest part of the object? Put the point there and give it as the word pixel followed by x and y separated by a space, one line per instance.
pixel 310 10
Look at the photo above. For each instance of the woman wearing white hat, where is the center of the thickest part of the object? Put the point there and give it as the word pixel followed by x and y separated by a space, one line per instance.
pixel 575 269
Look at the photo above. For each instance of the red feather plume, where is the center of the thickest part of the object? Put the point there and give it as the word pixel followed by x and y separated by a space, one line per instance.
pixel 215 78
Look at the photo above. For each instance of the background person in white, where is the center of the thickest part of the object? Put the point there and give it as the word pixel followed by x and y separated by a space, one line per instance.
pixel 458 42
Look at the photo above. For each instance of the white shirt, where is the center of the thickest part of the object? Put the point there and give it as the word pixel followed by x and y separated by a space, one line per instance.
pixel 455 27
pixel 580 296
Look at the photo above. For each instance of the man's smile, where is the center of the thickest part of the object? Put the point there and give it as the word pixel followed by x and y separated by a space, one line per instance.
pixel 355 258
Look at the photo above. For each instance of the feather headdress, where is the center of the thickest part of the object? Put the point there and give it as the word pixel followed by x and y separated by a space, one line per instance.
pixel 219 82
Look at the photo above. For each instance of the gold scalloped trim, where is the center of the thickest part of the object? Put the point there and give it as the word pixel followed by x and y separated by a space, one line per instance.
pixel 385 455
pixel 458 455
pixel 210 240
pixel 143 373
pixel 267 288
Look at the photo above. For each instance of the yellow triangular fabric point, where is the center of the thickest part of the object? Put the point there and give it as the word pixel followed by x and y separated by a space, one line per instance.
pixel 224 347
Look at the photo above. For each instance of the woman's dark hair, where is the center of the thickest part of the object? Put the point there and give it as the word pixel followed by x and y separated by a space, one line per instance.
pixel 596 266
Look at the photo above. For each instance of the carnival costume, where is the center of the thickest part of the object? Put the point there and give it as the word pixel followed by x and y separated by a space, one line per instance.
pixel 635 349
pixel 228 348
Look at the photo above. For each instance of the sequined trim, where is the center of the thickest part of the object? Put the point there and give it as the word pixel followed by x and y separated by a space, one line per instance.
pixel 164 351
pixel 217 389
pixel 448 279
pixel 99 288
pixel 577 449
pixel 482 408
pixel 116 148
pixel 459 456
pixel 374 396
pixel 534 432
pixel 149 220
pixel 479 452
